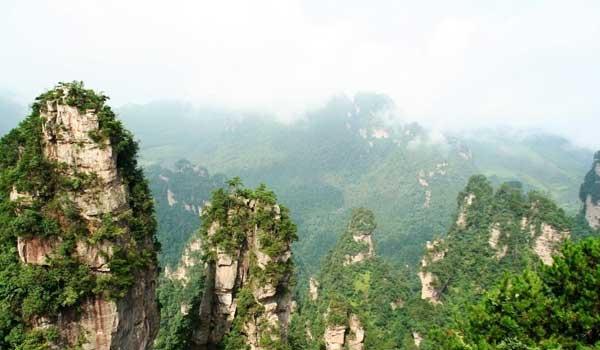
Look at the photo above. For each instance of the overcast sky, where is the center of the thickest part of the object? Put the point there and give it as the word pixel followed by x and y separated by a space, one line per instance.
pixel 445 63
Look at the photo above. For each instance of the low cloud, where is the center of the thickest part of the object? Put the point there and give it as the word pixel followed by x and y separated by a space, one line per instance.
pixel 456 63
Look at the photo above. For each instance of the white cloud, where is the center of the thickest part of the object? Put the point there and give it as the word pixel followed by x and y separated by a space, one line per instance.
pixel 455 63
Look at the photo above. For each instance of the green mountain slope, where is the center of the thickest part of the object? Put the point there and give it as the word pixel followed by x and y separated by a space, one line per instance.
pixel 494 232
pixel 179 195
pixel 356 300
pixel 352 153
pixel 555 308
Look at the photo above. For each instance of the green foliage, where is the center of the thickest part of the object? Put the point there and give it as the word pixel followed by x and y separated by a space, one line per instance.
pixel 274 226
pixel 470 265
pixel 591 183
pixel 555 308
pixel 371 290
pixel 232 214
pixel 176 328
pixel 328 162
pixel 46 213
pixel 191 187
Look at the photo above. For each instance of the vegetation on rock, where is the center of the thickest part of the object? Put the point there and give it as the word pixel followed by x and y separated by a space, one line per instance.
pixel 369 290
pixel 179 194
pixel 44 209
pixel 557 307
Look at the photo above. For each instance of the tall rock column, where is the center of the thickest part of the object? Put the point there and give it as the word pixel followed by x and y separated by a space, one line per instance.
pixel 247 300
pixel 81 219
pixel 337 310
pixel 590 194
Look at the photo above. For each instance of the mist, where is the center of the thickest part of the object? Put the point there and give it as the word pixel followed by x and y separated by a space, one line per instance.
pixel 448 65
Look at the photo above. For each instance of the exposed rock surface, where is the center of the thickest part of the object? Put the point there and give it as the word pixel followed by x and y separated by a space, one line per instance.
pixel 99 323
pixel 351 337
pixel 547 243
pixel 428 279
pixel 36 250
pixel 592 213
pixel 462 215
pixel 494 242
pixel 188 259
pixel 363 235
pixel 231 273
pixel 427 202
pixel 335 337
pixel 313 289
pixel 67 140
pixel 355 340
pixel 397 304
pixel 130 323
pixel 171 198
pixel 590 194
pixel 366 239
pixel 417 339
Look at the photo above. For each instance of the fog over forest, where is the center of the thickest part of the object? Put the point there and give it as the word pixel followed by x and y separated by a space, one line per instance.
pixel 299 175
pixel 448 65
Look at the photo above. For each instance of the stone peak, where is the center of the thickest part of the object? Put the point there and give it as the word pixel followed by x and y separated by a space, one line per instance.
pixel 362 222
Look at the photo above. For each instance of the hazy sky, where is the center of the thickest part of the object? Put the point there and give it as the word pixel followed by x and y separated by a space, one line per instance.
pixel 445 63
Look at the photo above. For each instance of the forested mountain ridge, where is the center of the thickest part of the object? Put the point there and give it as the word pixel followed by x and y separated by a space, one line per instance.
pixel 356 300
pixel 552 306
pixel 495 231
pixel 179 194
pixel 77 230
pixel 357 152
pixel 503 244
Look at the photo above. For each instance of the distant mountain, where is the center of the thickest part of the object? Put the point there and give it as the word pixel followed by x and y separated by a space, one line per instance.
pixel 540 161
pixel 179 194
pixel 354 152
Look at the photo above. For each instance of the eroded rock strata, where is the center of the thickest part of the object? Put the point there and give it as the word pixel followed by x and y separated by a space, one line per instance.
pixel 247 298
pixel 81 221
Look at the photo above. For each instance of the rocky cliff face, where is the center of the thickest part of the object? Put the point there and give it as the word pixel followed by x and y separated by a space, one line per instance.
pixel 338 310
pixel 490 229
pixel 247 300
pixel 433 255
pixel 74 182
pixel 189 259
pixel 590 194
pixel 340 337
pixel 361 227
